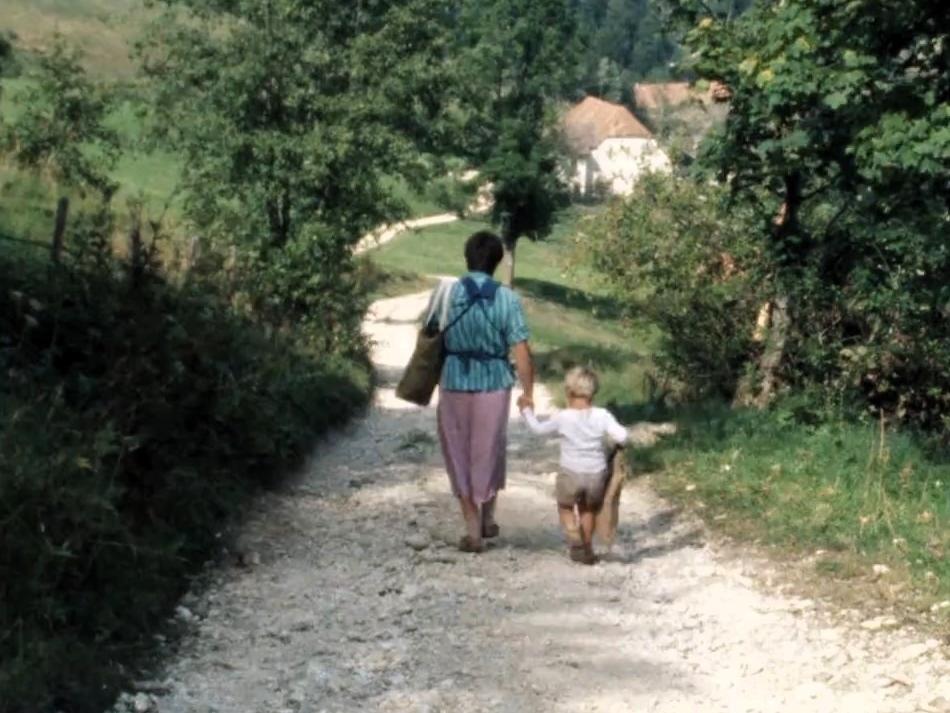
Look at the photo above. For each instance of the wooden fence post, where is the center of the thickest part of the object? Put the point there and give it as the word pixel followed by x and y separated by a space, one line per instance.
pixel 59 230
pixel 136 253
pixel 194 250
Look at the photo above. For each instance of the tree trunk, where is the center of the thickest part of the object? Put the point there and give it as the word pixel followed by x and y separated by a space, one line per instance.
pixel 774 352
pixel 278 217
pixel 774 320
pixel 785 226
pixel 510 241
pixel 136 251
pixel 59 230
pixel 745 391
pixel 510 246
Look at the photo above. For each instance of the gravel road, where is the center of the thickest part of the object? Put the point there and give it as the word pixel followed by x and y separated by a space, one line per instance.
pixel 349 595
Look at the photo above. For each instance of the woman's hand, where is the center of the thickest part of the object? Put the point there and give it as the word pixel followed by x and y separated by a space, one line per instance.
pixel 525 402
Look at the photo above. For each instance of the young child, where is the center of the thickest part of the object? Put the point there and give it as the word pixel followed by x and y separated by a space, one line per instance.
pixel 583 430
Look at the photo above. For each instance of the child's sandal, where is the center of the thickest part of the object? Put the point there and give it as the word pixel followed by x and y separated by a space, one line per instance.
pixel 583 555
pixel 577 553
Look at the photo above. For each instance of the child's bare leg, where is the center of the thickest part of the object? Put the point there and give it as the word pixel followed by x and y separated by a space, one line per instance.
pixel 586 517
pixel 587 526
pixel 569 524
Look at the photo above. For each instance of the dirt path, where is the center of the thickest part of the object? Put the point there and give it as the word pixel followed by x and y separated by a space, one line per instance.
pixel 352 598
pixel 387 233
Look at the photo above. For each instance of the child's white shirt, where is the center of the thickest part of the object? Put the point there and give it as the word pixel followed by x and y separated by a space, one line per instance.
pixel 582 433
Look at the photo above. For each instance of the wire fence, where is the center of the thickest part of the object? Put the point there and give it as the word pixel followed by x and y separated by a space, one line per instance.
pixel 56 248
pixel 22 241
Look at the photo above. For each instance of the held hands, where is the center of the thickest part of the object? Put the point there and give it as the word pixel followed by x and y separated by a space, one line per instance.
pixel 525 402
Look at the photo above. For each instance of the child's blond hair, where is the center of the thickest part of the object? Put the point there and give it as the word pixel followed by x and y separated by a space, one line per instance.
pixel 581 382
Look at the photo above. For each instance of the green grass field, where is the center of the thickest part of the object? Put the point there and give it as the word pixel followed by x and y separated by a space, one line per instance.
pixel 416 201
pixel 104 30
pixel 28 200
pixel 788 479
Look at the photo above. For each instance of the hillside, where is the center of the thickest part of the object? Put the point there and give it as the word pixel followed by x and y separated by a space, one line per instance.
pixel 103 29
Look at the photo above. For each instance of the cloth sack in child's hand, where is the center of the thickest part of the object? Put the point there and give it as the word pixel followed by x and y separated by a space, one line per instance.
pixel 608 517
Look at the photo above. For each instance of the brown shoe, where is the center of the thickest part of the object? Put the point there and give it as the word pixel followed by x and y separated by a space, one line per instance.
pixel 467 544
pixel 583 555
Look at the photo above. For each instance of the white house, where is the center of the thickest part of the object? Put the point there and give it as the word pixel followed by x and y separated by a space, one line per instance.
pixel 611 148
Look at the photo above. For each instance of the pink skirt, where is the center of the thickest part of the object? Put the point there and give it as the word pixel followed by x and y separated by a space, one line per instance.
pixel 473 430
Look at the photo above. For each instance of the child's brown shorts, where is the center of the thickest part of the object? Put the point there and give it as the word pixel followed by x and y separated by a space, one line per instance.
pixel 572 488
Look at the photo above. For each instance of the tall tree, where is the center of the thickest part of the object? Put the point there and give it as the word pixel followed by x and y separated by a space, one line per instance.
pixel 628 36
pixel 6 54
pixel 839 132
pixel 289 114
pixel 517 60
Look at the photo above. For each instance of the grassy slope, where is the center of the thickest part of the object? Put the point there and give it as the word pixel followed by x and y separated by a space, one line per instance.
pixel 101 28
pixel 138 423
pixel 27 202
pixel 787 478
pixel 104 30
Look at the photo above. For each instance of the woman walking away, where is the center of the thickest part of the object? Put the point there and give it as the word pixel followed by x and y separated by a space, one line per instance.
pixel 485 325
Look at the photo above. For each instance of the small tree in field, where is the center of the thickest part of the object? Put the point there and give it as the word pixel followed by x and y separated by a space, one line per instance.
pixel 517 58
pixel 290 114
pixel 61 129
pixel 6 54
pixel 7 62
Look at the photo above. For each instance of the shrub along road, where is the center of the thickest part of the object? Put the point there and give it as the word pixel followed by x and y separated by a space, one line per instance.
pixel 347 594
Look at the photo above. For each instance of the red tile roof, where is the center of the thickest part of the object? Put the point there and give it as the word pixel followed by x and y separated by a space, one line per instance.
pixel 594 120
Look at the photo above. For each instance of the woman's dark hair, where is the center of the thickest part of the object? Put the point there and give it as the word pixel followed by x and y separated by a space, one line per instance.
pixel 483 252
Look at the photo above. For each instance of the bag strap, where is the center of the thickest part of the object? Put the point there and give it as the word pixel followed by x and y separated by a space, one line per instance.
pixel 475 293
pixel 485 293
pixel 468 307
pixel 478 295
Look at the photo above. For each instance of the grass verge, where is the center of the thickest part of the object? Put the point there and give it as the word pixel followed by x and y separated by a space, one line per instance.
pixel 840 496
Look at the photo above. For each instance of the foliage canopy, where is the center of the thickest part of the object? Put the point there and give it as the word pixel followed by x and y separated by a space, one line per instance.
pixel 62 129
pixel 515 60
pixel 838 142
pixel 289 114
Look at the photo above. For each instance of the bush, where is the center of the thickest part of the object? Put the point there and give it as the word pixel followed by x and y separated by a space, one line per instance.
pixel 872 307
pixel 139 417
pixel 675 257
pixel 868 306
